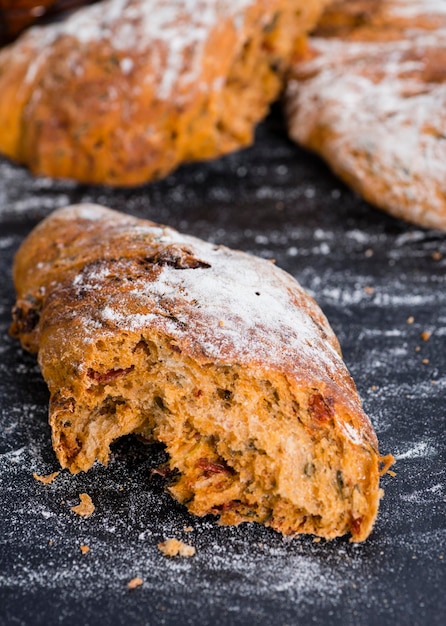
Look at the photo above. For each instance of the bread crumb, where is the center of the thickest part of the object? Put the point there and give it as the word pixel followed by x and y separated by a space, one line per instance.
pixel 221 323
pixel 316 539
pixel 391 473
pixel 417 349
pixel 188 529
pixel 373 387
pixel 425 361
pixel 86 507
pixel 135 582
pixel 369 290
pixel 46 479
pixel 410 320
pixel 369 253
pixel 50 542
pixel 174 547
pixel 437 256
pixel 425 335
pixel 385 463
pixel 84 549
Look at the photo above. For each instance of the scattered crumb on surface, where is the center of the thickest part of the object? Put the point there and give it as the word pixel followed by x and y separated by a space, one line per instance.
pixel 426 335
pixel 175 547
pixel 385 463
pixel 425 361
pixel 373 387
pixel 135 582
pixel 85 507
pixel 316 540
pixel 164 469
pixel 188 529
pixel 47 478
pixel 437 256
pixel 50 542
pixel 369 290
pixel 410 320
pixel 84 549
pixel 369 253
pixel 417 349
pixel 391 473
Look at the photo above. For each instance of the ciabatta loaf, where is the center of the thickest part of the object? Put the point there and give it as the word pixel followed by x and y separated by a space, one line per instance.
pixel 371 99
pixel 219 355
pixel 123 91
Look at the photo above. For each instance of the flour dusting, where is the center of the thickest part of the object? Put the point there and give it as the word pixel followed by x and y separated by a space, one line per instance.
pixel 422 449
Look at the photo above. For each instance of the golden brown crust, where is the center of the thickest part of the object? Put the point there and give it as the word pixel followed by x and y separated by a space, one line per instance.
pixel 123 91
pixel 219 355
pixel 371 99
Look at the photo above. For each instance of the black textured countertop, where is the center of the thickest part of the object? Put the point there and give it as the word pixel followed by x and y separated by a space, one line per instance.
pixel 370 274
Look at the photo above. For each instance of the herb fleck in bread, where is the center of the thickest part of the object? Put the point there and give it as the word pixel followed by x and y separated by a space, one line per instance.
pixel 219 355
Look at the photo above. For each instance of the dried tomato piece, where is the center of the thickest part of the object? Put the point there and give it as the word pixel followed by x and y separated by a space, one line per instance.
pixel 106 377
pixel 356 525
pixel 320 408
pixel 164 471
pixel 228 506
pixel 211 467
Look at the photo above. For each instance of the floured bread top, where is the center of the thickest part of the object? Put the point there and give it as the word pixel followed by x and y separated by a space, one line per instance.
pixel 239 303
pixel 170 35
pixel 106 273
pixel 372 100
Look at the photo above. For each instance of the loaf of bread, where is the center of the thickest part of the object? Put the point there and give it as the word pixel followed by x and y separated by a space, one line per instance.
pixel 219 355
pixel 123 91
pixel 370 97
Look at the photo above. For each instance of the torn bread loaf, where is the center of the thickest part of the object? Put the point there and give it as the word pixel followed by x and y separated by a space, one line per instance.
pixel 123 91
pixel 370 97
pixel 219 355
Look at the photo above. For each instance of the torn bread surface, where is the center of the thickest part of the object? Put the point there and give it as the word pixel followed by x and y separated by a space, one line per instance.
pixel 219 355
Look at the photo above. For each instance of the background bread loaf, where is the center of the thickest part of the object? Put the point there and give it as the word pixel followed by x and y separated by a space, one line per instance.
pixel 123 91
pixel 370 97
